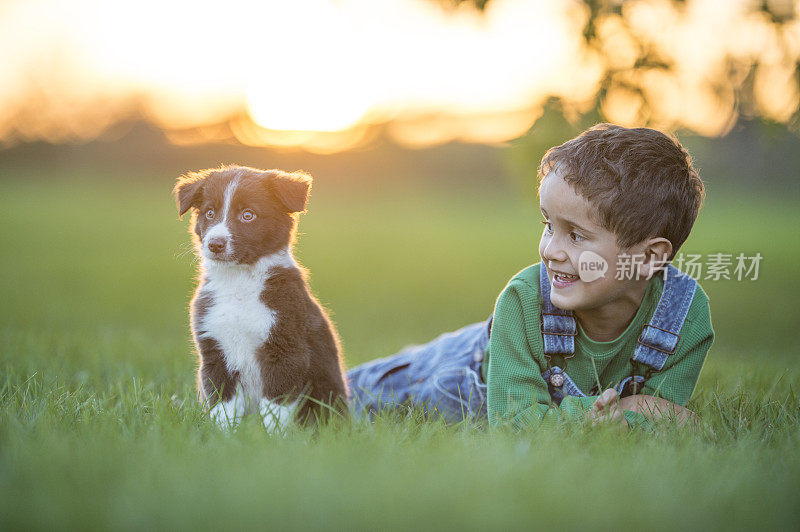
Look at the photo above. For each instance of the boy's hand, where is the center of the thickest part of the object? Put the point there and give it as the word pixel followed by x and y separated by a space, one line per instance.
pixel 659 409
pixel 607 409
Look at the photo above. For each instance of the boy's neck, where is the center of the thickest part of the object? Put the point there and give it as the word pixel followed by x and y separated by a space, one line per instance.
pixel 607 323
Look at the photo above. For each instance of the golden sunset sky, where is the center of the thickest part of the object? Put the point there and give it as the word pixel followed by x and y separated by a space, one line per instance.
pixel 326 75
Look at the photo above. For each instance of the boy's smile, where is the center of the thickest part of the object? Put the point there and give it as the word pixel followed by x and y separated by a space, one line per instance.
pixel 603 304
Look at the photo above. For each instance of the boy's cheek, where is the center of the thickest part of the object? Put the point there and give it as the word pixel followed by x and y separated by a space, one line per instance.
pixel 542 247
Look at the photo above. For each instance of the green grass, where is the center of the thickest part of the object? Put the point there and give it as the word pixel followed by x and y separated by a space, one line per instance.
pixel 99 427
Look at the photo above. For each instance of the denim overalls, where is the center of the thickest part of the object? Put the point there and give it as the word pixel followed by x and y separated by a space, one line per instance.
pixel 443 377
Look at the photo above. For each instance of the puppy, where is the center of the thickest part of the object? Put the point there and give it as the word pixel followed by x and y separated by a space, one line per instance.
pixel 265 344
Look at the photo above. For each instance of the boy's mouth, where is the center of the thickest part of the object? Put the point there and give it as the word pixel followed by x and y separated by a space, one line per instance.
pixel 563 280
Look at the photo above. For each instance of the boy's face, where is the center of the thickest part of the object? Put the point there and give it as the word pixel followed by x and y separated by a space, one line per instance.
pixel 571 243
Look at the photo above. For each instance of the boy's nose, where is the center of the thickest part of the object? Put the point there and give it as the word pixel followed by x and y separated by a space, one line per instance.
pixel 553 252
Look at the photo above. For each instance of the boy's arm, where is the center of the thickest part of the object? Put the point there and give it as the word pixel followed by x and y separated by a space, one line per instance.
pixel 657 409
pixel 677 379
pixel 637 410
pixel 516 391
pixel 666 393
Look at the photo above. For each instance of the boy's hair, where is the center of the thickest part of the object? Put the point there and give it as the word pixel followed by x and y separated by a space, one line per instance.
pixel 641 181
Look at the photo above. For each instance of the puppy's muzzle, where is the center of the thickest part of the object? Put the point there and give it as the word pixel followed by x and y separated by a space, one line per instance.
pixel 218 244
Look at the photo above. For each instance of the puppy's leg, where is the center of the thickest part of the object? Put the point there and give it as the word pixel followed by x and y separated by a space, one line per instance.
pixel 218 386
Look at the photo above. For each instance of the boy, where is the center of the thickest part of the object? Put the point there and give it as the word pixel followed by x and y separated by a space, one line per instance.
pixel 603 310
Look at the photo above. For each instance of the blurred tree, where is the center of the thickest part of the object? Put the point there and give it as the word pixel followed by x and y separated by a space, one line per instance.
pixel 758 143
pixel 551 129
pixel 743 91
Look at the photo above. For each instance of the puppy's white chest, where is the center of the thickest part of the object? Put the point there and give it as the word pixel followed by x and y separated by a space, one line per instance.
pixel 240 323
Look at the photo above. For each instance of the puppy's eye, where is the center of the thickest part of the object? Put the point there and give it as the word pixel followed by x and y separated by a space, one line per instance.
pixel 210 214
pixel 247 215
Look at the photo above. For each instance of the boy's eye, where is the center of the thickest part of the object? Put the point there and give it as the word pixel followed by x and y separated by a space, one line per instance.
pixel 547 226
pixel 575 236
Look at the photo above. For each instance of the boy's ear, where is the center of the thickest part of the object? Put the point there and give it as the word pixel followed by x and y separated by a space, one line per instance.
pixel 657 252
pixel 292 189
pixel 188 190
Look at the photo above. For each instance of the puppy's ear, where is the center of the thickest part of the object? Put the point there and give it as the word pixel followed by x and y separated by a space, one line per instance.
pixel 291 189
pixel 188 190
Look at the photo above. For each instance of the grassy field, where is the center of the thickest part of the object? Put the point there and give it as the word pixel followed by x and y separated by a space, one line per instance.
pixel 99 427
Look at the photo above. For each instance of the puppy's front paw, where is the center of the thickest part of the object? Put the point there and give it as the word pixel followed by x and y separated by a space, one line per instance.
pixel 276 416
pixel 227 414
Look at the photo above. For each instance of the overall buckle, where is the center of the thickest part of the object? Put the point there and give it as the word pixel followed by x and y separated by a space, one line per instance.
pixel 657 348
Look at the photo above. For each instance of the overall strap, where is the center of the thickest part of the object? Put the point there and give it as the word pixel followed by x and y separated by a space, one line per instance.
pixel 558 326
pixel 659 338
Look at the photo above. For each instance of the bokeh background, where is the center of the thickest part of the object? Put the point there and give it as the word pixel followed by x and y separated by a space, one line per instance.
pixel 422 122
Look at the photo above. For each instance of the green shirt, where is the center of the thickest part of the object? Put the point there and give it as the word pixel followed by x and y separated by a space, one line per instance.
pixel 518 394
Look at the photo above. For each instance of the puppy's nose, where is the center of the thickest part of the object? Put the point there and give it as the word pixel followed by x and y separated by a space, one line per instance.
pixel 217 244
